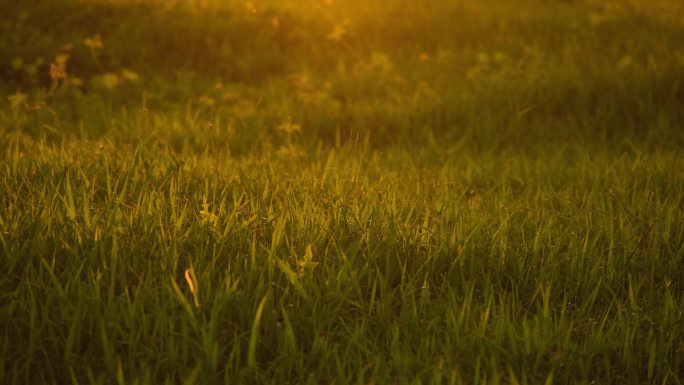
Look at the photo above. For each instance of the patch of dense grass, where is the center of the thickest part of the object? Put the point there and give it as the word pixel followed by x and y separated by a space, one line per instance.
pixel 362 192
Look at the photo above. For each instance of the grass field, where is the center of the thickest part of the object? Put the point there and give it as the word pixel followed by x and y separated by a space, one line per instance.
pixel 342 192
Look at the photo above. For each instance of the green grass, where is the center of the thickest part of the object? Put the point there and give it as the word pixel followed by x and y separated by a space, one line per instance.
pixel 364 192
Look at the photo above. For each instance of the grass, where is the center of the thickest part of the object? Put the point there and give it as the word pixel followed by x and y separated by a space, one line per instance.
pixel 313 192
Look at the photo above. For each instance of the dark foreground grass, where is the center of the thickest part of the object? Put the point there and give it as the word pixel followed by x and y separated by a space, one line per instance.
pixel 433 193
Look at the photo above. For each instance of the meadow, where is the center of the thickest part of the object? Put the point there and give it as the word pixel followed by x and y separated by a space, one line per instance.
pixel 342 192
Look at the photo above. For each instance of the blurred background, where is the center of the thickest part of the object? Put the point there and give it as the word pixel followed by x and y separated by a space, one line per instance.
pixel 246 74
